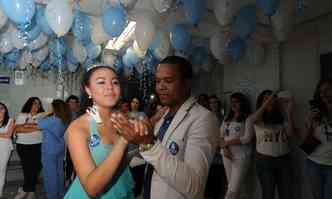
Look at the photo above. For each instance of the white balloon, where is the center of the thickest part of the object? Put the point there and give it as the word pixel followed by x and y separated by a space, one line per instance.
pixel 3 18
pixel 72 67
pixel 144 4
pixel 108 57
pixel 225 10
pixel 39 56
pixel 218 45
pixel 39 42
pixel 25 60
pixel 79 51
pixel 164 48
pixel 17 38
pixel 162 5
pixel 129 4
pixel 138 51
pixel 94 7
pixel 207 65
pixel 283 20
pixel 6 44
pixel 255 53
pixel 196 69
pixel 59 15
pixel 98 34
pixel 144 32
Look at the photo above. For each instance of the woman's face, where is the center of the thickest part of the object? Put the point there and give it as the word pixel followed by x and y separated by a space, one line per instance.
pixel 326 93
pixel 134 104
pixel 104 87
pixel 235 105
pixel 270 106
pixel 35 106
pixel 2 112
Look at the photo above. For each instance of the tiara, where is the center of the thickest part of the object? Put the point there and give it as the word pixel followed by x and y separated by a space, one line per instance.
pixel 99 65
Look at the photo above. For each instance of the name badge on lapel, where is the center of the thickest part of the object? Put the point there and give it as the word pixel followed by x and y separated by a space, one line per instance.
pixel 173 148
pixel 94 140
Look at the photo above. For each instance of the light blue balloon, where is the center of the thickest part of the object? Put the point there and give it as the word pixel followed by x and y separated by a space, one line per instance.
pixel 130 58
pixel 269 7
pixel 70 57
pixel 72 67
pixel 180 37
pixel 93 50
pixel 12 58
pixel 82 27
pixel 194 10
pixel 245 22
pixel 114 21
pixel 57 51
pixel 33 32
pixel 155 43
pixel 19 11
pixel 42 22
pixel 199 55
pixel 45 66
pixel 235 48
pixel 118 64
pixel 150 61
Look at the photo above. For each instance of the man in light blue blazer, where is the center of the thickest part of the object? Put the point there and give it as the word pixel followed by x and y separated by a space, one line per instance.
pixel 186 137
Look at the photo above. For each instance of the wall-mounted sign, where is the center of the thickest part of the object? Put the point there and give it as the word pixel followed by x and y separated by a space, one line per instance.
pixel 19 77
pixel 4 79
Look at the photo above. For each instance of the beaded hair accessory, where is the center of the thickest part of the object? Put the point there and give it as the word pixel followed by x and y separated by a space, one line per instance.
pixel 99 65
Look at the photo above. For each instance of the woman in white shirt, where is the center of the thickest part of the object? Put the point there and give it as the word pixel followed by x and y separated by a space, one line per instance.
pixel 6 130
pixel 319 127
pixel 273 130
pixel 236 155
pixel 28 145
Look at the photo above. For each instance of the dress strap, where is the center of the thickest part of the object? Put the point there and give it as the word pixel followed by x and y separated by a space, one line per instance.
pixel 93 126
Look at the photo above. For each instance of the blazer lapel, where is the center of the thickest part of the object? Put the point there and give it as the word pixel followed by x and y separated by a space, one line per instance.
pixel 178 118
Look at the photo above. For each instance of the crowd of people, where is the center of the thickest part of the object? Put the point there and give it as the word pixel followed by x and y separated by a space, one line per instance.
pixel 115 148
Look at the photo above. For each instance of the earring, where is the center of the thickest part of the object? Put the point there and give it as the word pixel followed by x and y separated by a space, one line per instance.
pixel 89 96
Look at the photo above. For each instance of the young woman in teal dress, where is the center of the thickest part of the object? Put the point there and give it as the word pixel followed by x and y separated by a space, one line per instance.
pixel 97 149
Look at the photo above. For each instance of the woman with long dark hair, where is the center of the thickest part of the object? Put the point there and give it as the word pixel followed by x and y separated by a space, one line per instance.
pixel 97 148
pixel 53 126
pixel 28 145
pixel 273 128
pixel 7 126
pixel 319 128
pixel 236 154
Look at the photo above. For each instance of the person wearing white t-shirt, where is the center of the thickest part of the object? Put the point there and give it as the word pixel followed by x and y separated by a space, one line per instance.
pixel 7 126
pixel 236 155
pixel 319 127
pixel 28 145
pixel 273 130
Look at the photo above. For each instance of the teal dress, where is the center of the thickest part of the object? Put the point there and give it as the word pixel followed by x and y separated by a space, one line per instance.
pixel 121 185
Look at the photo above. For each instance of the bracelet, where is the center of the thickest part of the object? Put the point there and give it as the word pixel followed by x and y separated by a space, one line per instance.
pixel 145 147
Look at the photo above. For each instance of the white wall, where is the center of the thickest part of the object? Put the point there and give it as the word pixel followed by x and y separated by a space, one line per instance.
pixel 35 84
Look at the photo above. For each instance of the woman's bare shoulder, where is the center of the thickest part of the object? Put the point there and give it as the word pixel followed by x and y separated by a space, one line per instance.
pixel 79 126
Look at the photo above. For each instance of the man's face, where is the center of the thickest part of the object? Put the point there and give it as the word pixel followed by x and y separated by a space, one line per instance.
pixel 73 105
pixel 170 87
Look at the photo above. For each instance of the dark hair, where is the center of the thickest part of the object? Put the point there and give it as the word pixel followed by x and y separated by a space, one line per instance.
pixel 320 104
pixel 217 99
pixel 28 105
pixel 72 97
pixel 203 100
pixel 273 117
pixel 244 108
pixel 183 66
pixel 85 101
pixel 6 116
pixel 139 101
pixel 61 110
